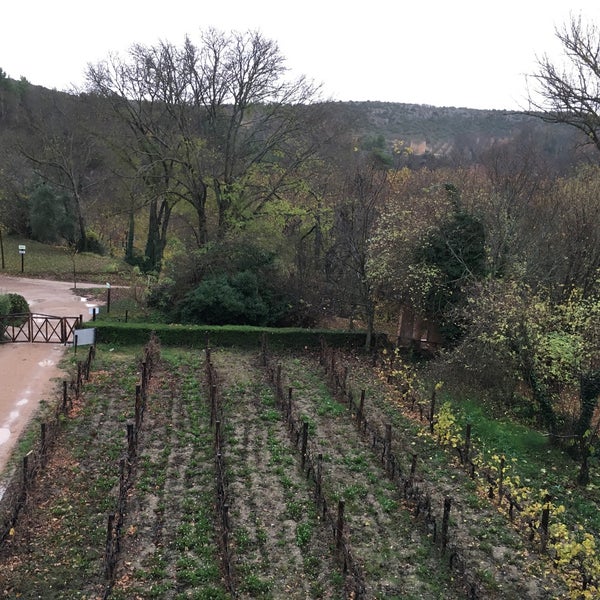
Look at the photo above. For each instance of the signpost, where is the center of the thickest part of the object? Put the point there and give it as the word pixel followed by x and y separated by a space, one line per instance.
pixel 83 337
pixel 107 298
pixel 22 253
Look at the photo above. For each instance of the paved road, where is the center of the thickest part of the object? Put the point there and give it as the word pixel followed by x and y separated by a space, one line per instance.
pixel 29 372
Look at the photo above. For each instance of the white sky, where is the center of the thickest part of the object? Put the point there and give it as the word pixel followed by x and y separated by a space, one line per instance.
pixel 472 53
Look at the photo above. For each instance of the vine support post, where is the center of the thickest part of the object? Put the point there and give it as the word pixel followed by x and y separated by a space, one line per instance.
pixel 432 410
pixel 445 522
pixel 340 524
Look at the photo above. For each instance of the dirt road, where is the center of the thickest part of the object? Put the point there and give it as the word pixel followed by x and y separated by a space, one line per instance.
pixel 28 371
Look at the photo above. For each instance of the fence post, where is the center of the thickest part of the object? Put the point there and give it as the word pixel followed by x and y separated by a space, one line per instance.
pixel 130 440
pixel 109 553
pixel 545 522
pixel 218 435
pixel 432 410
pixel 144 380
pixel 138 406
pixel 467 444
pixel 43 442
pixel 388 445
pixel 413 469
pixel 501 481
pixel 340 524
pixel 361 407
pixel 278 383
pixel 319 476
pixel 445 521
pixel 26 470
pixel 304 442
pixel 213 404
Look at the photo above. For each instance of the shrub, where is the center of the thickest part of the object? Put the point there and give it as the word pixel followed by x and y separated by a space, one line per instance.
pixel 226 299
pixel 12 304
pixel 4 305
pixel 18 304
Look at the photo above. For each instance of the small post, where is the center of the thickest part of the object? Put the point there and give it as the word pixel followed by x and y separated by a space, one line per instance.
pixel 213 404
pixel 218 434
pixel 304 442
pixel 225 518
pixel 501 481
pixel 445 521
pixel 26 469
pixel 545 522
pixel 108 289
pixel 413 468
pixel 43 441
pixel 109 554
pixel 126 315
pixel 340 524
pixel 361 407
pixel 432 410
pixel 64 396
pixel 388 441
pixel 138 405
pixel 467 444
pixel 130 439
pixel 278 381
pixel 319 476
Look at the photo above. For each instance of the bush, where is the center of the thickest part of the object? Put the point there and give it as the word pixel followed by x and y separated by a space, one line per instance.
pixel 4 305
pixel 224 299
pixel 18 304
pixel 94 244
pixel 12 304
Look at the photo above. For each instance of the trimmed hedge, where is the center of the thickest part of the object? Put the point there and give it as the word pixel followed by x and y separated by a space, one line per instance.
pixel 195 336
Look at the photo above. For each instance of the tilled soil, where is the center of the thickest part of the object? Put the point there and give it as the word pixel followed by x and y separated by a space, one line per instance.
pixel 278 543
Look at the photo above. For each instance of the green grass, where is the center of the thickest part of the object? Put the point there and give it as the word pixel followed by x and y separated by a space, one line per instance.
pixel 531 456
pixel 56 262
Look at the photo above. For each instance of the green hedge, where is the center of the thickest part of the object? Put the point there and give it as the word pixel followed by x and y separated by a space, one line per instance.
pixel 195 336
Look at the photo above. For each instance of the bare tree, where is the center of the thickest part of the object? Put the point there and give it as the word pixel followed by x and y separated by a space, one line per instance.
pixel 364 194
pixel 216 121
pixel 570 93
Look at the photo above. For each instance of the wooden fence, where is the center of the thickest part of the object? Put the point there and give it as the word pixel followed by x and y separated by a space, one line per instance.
pixel 34 327
pixel 311 463
pixel 434 518
pixel 222 492
pixel 115 520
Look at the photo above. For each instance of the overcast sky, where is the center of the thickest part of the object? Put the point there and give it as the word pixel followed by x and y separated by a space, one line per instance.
pixel 471 53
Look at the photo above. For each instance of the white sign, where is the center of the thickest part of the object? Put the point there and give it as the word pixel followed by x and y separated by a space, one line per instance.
pixel 94 309
pixel 21 249
pixel 84 337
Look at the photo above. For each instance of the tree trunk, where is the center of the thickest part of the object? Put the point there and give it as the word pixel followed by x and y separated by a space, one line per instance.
pixel 130 238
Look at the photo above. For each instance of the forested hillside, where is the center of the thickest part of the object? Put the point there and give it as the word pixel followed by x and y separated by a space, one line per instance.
pixel 468 238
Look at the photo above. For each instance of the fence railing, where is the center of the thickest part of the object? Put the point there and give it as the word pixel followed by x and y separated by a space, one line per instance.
pixel 34 327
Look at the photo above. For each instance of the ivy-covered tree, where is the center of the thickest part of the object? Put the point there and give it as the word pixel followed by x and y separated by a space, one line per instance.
pixel 52 217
